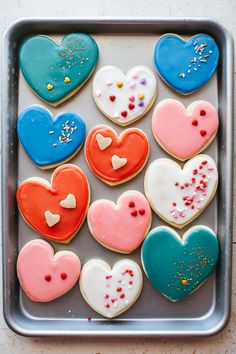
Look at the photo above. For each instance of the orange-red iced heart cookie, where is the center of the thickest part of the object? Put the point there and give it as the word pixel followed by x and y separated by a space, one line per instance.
pixel 116 159
pixel 55 210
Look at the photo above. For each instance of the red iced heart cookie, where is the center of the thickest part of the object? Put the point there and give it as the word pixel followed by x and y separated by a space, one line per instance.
pixel 55 211
pixel 182 132
pixel 120 227
pixel 43 275
pixel 116 159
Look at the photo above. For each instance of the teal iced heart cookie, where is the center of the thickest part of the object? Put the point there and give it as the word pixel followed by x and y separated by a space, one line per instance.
pixel 55 72
pixel 176 267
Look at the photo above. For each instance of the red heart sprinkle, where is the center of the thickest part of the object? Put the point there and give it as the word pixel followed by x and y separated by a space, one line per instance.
pixel 203 132
pixel 122 296
pixel 118 289
pixel 124 114
pixel 204 162
pixel 194 172
pixel 131 106
pixel 174 204
pixel 202 112
pixel 112 98
pixel 48 277
pixel 131 204
pixel 63 276
pixel 142 211
pixel 134 213
pixel 195 122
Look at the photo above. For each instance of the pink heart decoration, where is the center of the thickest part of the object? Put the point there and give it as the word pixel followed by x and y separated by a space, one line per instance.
pixel 182 132
pixel 121 227
pixel 43 275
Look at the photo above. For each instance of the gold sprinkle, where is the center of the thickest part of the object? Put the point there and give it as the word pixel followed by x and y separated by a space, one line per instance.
pixel 182 75
pixel 119 84
pixel 184 281
pixel 67 80
pixel 141 96
pixel 49 87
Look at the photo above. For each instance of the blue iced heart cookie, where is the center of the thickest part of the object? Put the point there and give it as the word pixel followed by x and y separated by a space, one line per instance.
pixel 177 267
pixel 186 66
pixel 55 71
pixel 47 140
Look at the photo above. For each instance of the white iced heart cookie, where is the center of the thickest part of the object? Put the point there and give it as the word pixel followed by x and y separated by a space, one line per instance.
pixel 124 98
pixel 179 195
pixel 111 291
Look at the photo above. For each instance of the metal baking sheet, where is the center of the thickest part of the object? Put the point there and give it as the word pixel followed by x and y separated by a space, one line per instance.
pixel 124 43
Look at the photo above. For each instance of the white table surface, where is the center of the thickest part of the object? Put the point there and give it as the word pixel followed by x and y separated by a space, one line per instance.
pixel 224 11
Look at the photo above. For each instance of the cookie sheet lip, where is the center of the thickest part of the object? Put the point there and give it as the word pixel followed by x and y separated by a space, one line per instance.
pixel 180 322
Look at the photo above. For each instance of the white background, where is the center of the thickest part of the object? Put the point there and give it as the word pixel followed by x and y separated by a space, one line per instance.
pixel 224 11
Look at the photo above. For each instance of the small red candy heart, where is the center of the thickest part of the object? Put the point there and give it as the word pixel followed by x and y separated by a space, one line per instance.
pixel 203 132
pixel 112 98
pixel 195 122
pixel 131 106
pixel 124 114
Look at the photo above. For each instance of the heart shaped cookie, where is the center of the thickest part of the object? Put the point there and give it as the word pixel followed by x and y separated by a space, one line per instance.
pixel 182 132
pixel 43 275
pixel 179 195
pixel 50 141
pixel 116 159
pixel 111 291
pixel 124 99
pixel 177 266
pixel 57 71
pixel 46 208
pixel 186 66
pixel 120 227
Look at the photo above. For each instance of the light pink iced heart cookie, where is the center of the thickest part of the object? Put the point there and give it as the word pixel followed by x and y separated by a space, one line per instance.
pixel 179 195
pixel 111 291
pixel 43 275
pixel 120 227
pixel 124 98
pixel 182 132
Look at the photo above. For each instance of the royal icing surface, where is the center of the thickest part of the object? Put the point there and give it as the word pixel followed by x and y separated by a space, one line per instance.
pixel 48 140
pixel 40 203
pixel 179 195
pixel 43 275
pixel 184 132
pixel 176 267
pixel 52 70
pixel 110 291
pixel 121 159
pixel 122 226
pixel 124 98
pixel 186 66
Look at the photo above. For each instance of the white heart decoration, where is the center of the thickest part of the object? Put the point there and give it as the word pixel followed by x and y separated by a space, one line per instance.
pixel 51 219
pixel 179 195
pixel 110 291
pixel 69 202
pixel 118 162
pixel 103 142
pixel 124 98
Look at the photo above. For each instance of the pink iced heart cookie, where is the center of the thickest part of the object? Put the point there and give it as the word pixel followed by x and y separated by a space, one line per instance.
pixel 120 227
pixel 43 275
pixel 182 132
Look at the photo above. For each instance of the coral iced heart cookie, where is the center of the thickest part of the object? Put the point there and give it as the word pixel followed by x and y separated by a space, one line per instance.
pixel 124 99
pixel 56 210
pixel 120 227
pixel 57 71
pixel 111 291
pixel 182 132
pixel 43 275
pixel 177 266
pixel 186 66
pixel 116 159
pixel 47 140
pixel 179 195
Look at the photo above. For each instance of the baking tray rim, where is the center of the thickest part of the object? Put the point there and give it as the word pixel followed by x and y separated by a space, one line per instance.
pixel 11 322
